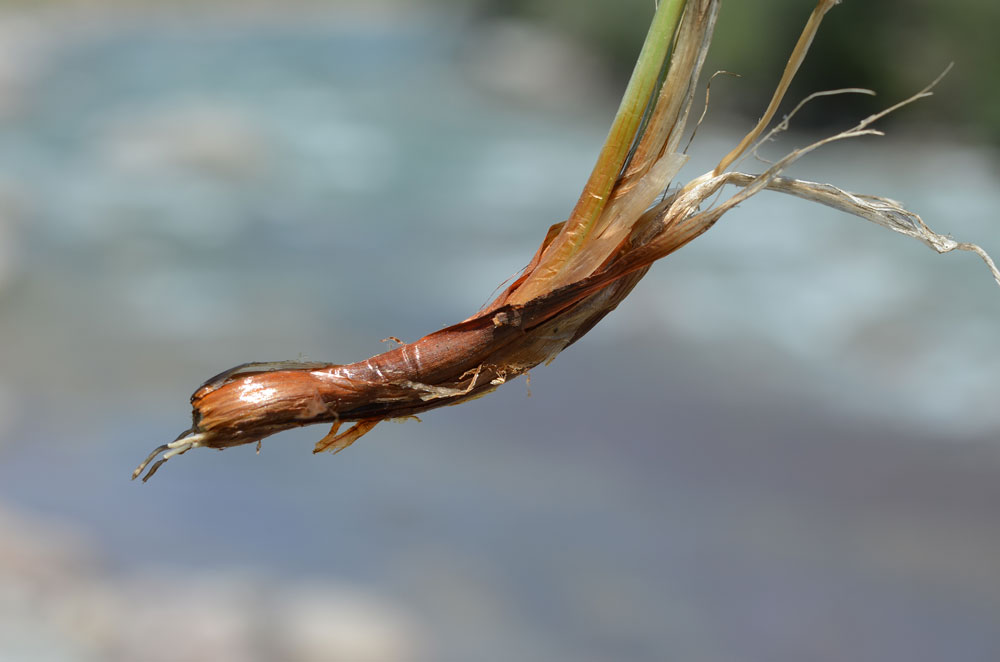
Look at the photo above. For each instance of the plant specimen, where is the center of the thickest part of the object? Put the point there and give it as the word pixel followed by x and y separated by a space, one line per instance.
pixel 630 214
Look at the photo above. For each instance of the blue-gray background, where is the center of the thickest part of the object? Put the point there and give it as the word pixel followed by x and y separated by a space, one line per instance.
pixel 782 446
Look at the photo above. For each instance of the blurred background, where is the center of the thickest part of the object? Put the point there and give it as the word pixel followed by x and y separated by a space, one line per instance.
pixel 783 446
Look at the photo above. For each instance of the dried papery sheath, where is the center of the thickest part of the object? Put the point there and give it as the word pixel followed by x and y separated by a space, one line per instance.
pixel 583 269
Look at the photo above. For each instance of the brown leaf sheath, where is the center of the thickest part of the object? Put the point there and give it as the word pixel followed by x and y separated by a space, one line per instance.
pixel 460 362
pixel 464 361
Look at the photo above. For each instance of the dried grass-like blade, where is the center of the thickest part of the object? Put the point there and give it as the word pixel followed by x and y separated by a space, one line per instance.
pixel 791 68
pixel 882 211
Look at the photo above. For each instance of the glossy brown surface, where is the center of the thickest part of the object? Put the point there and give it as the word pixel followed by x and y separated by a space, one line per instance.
pixel 467 360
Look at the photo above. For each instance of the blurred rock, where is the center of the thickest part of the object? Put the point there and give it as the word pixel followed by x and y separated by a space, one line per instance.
pixel 332 623
pixel 44 574
pixel 57 602
pixel 23 53
pixel 199 135
pixel 527 62
pixel 11 212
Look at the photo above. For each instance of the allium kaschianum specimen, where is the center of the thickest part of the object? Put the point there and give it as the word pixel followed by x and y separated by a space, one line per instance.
pixel 628 216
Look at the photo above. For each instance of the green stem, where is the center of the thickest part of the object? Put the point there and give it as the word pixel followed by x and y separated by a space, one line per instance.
pixel 641 87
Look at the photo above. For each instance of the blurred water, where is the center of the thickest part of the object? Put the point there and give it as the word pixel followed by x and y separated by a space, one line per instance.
pixel 754 458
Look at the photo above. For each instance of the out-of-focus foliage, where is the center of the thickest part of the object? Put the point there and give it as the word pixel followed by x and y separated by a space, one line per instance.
pixel 892 46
